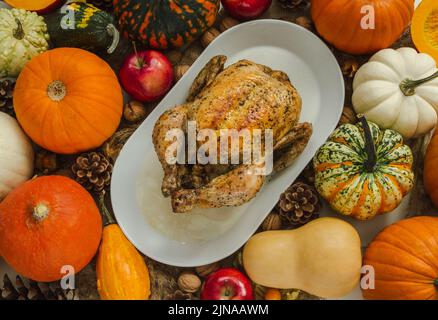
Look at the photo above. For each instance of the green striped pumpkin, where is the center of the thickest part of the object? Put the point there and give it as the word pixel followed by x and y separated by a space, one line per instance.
pixel 165 24
pixel 363 171
pixel 82 25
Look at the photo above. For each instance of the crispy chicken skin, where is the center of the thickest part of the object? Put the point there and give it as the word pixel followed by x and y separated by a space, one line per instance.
pixel 245 95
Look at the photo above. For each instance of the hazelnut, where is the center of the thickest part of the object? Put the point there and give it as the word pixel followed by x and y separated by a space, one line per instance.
pixel 189 282
pixel 272 222
pixel 134 111
pixel 179 71
pixel 209 36
pixel 227 23
pixel 348 116
pixel 304 22
pixel 174 56
pixel 204 271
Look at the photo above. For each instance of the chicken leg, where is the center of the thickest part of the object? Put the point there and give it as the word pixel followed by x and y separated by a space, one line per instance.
pixel 234 188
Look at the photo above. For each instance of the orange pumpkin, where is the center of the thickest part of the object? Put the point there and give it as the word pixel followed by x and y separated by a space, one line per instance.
pixel 68 100
pixel 430 172
pixel 405 261
pixel 424 28
pixel 48 223
pixel 40 6
pixel 346 24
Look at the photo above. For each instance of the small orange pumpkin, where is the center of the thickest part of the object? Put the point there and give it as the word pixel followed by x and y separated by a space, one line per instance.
pixel 405 261
pixel 345 24
pixel 122 273
pixel 48 223
pixel 430 172
pixel 68 100
pixel 424 28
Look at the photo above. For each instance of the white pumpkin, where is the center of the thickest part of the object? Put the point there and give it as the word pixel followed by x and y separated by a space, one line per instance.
pixel 16 155
pixel 23 35
pixel 398 89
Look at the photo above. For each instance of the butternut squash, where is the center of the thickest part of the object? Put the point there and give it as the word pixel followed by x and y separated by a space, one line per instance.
pixel 322 258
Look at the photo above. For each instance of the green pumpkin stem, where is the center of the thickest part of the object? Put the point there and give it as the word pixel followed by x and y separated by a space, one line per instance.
pixel 113 32
pixel 408 86
pixel 371 161
pixel 107 216
pixel 436 283
pixel 19 32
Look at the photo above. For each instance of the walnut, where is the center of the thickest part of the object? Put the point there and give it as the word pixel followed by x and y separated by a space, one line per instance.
pixel 174 56
pixel 204 271
pixel 348 116
pixel 209 36
pixel 134 111
pixel 180 70
pixel 271 222
pixel 227 23
pixel 189 282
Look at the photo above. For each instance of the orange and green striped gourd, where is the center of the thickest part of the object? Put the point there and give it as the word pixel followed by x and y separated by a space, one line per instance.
pixel 363 171
pixel 166 23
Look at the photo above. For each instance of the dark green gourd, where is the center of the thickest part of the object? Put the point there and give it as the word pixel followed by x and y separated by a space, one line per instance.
pixel 84 26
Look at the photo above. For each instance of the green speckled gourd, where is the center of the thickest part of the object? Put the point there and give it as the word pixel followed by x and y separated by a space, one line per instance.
pixel 165 24
pixel 363 171
pixel 23 35
pixel 82 25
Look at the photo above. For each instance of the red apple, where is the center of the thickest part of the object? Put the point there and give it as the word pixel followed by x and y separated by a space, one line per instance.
pixel 146 75
pixel 227 284
pixel 246 9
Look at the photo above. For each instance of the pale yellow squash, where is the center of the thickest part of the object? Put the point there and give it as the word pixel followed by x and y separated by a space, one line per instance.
pixel 322 258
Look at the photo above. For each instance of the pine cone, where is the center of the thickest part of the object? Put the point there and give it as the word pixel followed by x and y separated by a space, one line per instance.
pixel 32 291
pixel 292 4
pixel 6 93
pixel 299 204
pixel 106 5
pixel 93 171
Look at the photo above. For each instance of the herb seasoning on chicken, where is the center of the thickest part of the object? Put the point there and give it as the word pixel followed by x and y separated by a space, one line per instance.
pixel 244 95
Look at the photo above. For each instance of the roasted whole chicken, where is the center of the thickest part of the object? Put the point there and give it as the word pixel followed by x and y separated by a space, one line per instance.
pixel 244 95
